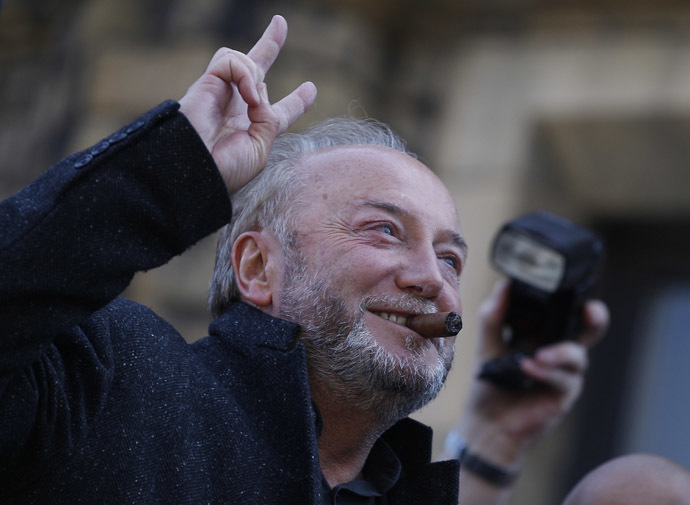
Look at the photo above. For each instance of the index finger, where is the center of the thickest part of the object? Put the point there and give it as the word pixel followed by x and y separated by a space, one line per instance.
pixel 267 48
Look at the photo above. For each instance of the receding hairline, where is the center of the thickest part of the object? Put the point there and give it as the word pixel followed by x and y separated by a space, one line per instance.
pixel 361 147
pixel 308 160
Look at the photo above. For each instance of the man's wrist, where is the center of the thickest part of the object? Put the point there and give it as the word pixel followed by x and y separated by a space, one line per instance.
pixel 490 472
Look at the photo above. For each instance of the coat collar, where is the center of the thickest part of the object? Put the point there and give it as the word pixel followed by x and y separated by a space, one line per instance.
pixel 245 325
pixel 252 333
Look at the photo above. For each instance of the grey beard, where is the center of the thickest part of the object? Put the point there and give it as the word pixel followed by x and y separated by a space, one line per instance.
pixel 347 361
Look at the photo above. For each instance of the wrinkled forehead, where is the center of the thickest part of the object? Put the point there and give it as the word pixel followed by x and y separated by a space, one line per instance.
pixel 339 176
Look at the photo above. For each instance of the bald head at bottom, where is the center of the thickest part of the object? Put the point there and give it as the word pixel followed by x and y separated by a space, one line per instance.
pixel 638 479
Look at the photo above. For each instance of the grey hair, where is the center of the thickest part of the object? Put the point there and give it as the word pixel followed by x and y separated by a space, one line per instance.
pixel 267 201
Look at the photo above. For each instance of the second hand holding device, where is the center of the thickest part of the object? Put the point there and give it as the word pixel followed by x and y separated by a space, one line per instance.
pixel 551 263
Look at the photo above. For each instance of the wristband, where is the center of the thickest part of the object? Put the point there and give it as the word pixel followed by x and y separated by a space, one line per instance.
pixel 495 475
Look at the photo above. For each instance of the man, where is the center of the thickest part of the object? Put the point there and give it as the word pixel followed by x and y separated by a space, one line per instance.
pixel 300 393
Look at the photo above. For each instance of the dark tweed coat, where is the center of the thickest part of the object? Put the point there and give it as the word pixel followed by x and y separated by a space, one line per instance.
pixel 101 401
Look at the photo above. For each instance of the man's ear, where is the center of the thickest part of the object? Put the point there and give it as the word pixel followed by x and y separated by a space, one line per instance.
pixel 257 262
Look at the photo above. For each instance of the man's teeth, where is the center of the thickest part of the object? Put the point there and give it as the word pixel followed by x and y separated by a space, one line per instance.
pixel 393 318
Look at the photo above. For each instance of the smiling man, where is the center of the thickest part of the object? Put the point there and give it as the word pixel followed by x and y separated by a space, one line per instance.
pixel 348 235
pixel 301 391
pixel 371 238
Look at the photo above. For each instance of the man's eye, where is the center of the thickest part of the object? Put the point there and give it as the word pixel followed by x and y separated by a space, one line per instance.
pixel 386 228
pixel 451 261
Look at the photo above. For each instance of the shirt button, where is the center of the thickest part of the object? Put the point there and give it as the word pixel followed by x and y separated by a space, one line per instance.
pixel 117 137
pixel 99 148
pixel 135 126
pixel 83 161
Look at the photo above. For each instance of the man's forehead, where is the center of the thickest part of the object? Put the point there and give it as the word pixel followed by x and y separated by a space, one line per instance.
pixel 356 157
pixel 347 174
pixel 367 166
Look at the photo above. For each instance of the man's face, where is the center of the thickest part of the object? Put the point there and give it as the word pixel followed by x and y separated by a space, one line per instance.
pixel 377 242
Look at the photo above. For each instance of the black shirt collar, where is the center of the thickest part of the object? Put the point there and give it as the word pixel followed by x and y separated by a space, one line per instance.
pixel 380 473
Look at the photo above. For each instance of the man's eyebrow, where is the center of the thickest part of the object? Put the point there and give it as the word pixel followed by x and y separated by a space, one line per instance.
pixel 452 237
pixel 458 241
pixel 385 206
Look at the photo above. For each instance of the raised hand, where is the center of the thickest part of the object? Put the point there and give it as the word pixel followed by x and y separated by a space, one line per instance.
pixel 229 107
pixel 516 420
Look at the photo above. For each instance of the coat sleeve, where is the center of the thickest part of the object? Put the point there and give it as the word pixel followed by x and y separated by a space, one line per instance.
pixel 71 241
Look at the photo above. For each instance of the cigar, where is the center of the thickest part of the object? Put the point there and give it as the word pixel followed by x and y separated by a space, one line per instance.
pixel 439 324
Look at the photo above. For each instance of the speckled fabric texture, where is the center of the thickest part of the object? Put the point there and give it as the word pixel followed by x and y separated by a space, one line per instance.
pixel 101 401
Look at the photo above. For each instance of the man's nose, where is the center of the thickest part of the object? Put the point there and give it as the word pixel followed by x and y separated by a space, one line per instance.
pixel 421 273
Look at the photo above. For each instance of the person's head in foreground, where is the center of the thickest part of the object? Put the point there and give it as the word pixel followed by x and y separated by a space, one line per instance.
pixel 638 479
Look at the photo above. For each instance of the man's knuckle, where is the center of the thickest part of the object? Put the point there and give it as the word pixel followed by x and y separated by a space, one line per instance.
pixel 221 53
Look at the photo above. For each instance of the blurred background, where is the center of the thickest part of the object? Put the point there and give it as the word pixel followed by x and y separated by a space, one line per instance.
pixel 580 107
